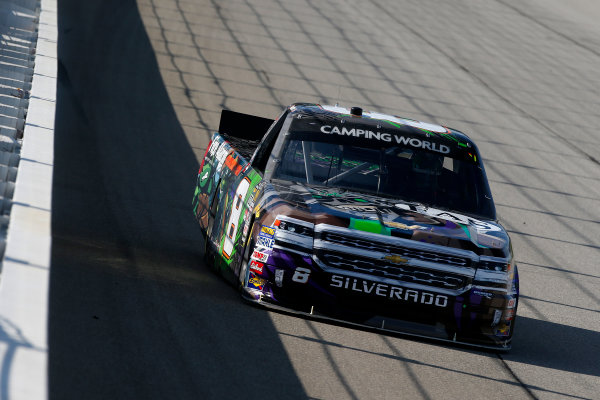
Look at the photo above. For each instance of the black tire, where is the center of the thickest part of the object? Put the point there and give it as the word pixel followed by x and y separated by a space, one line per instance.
pixel 209 257
pixel 246 257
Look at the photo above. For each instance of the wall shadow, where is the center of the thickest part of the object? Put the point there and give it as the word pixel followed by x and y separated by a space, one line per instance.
pixel 552 345
pixel 133 311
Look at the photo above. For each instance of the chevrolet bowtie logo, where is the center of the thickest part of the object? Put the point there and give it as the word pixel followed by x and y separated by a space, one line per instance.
pixel 395 259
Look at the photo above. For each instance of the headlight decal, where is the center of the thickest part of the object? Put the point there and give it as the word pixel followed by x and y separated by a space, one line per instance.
pixel 293 233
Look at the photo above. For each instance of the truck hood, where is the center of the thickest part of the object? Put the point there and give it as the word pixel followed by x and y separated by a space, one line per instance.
pixel 391 217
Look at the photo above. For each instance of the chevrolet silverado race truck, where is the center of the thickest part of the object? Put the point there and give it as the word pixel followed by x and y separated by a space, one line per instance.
pixel 359 217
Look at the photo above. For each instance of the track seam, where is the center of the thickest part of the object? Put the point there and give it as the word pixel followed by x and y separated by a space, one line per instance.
pixel 514 375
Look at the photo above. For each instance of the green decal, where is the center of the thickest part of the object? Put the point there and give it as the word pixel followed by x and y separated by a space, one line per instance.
pixel 204 175
pixel 368 225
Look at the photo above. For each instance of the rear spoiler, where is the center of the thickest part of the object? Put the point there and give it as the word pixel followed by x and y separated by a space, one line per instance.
pixel 243 126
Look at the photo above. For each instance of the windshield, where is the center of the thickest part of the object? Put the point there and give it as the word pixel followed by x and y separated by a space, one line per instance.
pixel 399 172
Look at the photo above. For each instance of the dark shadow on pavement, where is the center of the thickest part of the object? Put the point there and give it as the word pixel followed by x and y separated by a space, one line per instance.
pixel 133 311
pixel 556 346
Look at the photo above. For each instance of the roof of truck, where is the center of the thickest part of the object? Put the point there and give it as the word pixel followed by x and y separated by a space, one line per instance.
pixel 370 126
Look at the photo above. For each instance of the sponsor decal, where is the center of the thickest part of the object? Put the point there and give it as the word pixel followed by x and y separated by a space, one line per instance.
pixel 279 277
pixel 214 145
pixel 400 225
pixel 268 230
pixel 222 154
pixel 246 223
pixel 253 196
pixel 425 144
pixel 251 203
pixel 259 256
pixel 232 162
pixel 482 293
pixel 511 303
pixel 386 137
pixel 265 235
pixel 354 132
pixel 388 291
pixel 393 258
pixel 255 282
pixel 510 314
pixel 480 226
pixel 497 315
pixel 262 241
pixel 358 208
pixel 256 266
pixel 503 329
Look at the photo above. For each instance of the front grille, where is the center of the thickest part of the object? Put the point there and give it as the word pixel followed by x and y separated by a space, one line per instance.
pixel 384 269
pixel 405 252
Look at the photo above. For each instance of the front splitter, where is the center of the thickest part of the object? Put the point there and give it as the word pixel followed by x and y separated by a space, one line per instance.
pixel 314 314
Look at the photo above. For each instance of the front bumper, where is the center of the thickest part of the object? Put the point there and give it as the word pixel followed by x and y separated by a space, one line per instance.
pixel 292 282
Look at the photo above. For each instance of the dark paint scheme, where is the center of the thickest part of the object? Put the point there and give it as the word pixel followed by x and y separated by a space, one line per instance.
pixel 381 263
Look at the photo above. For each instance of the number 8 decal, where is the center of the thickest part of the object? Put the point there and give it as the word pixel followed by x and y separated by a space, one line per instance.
pixel 234 219
pixel 301 275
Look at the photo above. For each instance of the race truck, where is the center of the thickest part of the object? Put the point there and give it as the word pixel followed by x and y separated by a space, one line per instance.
pixel 360 217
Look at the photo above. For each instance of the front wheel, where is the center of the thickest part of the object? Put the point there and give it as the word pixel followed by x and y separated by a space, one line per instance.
pixel 209 256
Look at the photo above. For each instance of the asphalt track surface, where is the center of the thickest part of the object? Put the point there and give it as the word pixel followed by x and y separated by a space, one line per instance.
pixel 134 312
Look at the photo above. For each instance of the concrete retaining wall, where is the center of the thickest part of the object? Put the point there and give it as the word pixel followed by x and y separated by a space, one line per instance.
pixel 28 70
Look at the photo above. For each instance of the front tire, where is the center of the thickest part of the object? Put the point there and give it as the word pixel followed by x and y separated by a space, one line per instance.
pixel 243 275
pixel 209 257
